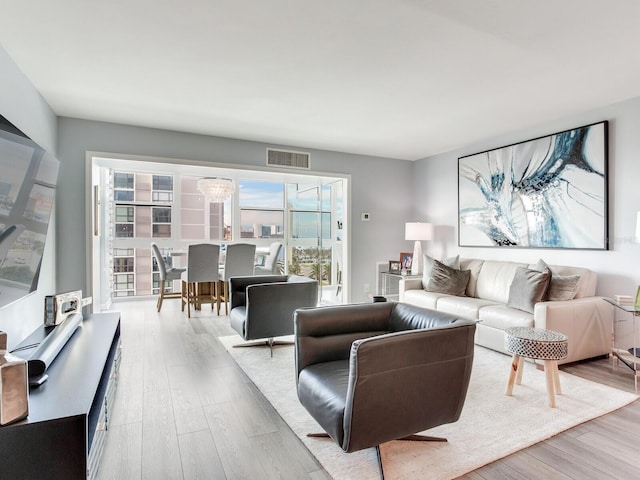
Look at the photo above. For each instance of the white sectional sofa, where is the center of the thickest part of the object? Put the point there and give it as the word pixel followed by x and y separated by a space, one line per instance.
pixel 586 319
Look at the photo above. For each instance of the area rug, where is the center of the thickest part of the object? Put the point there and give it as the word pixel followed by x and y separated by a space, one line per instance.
pixel 492 425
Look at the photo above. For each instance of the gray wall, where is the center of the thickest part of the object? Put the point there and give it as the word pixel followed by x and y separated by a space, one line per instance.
pixel 435 185
pixel 379 186
pixel 23 106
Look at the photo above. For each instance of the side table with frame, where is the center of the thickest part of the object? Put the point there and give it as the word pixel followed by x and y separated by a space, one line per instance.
pixel 627 353
pixel 391 283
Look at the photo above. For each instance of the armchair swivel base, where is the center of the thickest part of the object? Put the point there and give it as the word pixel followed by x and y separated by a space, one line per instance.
pixel 269 342
pixel 410 438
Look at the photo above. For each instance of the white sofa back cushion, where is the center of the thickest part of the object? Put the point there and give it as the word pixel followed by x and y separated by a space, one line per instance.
pixel 474 265
pixel 494 280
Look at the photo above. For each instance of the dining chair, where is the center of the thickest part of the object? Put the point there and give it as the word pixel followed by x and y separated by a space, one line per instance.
pixel 167 274
pixel 270 265
pixel 202 271
pixel 238 262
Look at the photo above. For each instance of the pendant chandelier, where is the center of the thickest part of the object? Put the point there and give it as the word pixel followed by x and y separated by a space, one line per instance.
pixel 216 189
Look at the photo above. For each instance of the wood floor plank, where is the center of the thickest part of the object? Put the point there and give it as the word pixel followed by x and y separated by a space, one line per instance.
pixel 200 459
pixel 275 460
pixel 188 411
pixel 236 451
pixel 128 405
pixel 122 457
pixel 160 451
pixel 531 467
pixel 560 457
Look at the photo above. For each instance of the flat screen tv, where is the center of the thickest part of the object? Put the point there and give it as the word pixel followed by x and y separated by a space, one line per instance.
pixel 28 176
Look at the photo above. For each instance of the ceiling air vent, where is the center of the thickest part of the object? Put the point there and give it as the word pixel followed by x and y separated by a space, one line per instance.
pixel 288 158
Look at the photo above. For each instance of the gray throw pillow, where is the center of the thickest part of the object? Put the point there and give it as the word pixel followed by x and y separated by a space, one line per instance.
pixel 527 288
pixel 449 280
pixel 453 262
pixel 561 287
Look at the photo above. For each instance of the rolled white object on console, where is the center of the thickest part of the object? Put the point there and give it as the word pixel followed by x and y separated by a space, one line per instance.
pixel 49 348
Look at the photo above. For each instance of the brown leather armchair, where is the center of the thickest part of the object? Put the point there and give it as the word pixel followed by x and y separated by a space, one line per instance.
pixel 371 373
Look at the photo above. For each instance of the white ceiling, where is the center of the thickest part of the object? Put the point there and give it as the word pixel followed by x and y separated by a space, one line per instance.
pixel 392 78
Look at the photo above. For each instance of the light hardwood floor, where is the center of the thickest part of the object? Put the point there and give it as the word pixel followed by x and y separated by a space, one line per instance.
pixel 185 410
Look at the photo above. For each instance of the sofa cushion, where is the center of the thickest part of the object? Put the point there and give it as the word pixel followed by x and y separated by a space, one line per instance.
pixel 422 298
pixel 528 288
pixel 561 287
pixel 501 317
pixel 448 280
pixel 453 262
pixel 494 280
pixel 473 265
pixel 465 307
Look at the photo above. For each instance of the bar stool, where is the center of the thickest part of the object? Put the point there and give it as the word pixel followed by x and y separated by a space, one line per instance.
pixel 166 275
pixel 238 262
pixel 202 269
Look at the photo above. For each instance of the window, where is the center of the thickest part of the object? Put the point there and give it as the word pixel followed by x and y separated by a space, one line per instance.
pixel 162 189
pixel 123 272
pixel 123 265
pixel 123 184
pixel 161 222
pixel 261 209
pixel 124 227
pixel 168 206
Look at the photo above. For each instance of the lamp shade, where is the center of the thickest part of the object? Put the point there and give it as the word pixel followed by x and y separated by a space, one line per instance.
pixel 216 189
pixel 418 231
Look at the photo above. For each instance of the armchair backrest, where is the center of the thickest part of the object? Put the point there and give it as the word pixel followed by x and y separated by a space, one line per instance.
pixel 270 301
pixel 423 373
pixel 410 317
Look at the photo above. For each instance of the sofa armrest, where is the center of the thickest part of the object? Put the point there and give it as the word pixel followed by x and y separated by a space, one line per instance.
pixel 588 322
pixel 325 334
pixel 408 284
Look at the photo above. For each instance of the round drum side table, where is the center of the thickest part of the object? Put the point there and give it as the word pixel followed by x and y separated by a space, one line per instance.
pixel 539 344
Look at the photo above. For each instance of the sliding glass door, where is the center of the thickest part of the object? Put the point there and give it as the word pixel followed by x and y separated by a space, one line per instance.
pixel 146 202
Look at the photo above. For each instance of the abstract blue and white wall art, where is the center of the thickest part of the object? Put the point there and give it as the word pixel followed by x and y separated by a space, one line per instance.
pixel 550 192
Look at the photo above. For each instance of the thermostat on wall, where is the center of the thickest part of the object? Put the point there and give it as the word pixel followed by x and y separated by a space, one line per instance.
pixel 364 217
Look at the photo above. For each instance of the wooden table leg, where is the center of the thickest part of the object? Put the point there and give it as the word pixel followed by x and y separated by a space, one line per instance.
pixel 556 379
pixel 549 375
pixel 515 361
pixel 520 370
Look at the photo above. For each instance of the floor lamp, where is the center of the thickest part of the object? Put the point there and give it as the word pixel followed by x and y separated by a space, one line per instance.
pixel 417 231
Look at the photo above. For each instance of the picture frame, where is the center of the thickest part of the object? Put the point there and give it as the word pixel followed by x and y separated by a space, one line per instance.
pixel 548 192
pixel 394 266
pixel 406 259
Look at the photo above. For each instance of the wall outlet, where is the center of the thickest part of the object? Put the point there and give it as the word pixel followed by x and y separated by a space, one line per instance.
pixel 366 288
pixel 364 216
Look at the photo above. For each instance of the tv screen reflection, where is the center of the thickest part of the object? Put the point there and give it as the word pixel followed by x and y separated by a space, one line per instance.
pixel 28 176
